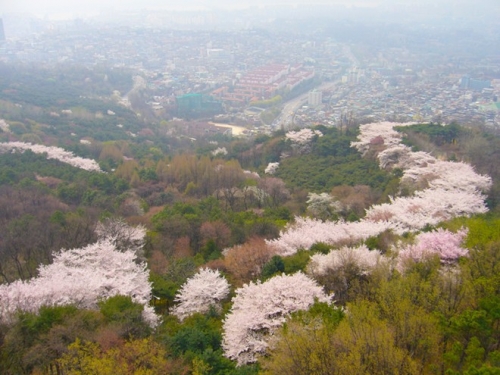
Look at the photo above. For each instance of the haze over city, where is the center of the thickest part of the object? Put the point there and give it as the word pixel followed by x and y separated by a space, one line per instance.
pixel 69 9
pixel 419 50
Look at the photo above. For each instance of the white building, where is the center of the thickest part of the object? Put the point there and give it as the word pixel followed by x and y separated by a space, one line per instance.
pixel 315 98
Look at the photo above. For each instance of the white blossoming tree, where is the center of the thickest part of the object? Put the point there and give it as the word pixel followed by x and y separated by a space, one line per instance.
pixel 122 235
pixel 341 270
pixel 301 139
pixel 305 232
pixel 378 133
pixel 323 205
pixel 427 207
pixel 448 190
pixel 441 242
pixel 52 153
pixel 204 290
pixel 360 257
pixel 260 308
pixel 81 277
pixel 271 168
pixel 219 151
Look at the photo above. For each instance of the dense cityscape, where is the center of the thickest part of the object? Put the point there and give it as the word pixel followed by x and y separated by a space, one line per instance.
pixel 188 68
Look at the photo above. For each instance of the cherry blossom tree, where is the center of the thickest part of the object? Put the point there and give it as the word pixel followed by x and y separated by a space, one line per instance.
pixel 271 168
pixel 419 165
pixel 305 232
pixel 260 308
pixel 81 277
pixel 122 235
pixel 441 242
pixel 426 207
pixel 251 174
pixel 379 133
pixel 401 156
pixel 204 290
pixel 303 136
pixel 345 271
pixel 449 176
pixel 323 205
pixel 450 189
pixel 52 153
pixel 4 126
pixel 361 257
pixel 301 139
pixel 219 151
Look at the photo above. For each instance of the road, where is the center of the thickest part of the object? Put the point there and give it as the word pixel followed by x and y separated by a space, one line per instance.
pixel 285 119
pixel 348 53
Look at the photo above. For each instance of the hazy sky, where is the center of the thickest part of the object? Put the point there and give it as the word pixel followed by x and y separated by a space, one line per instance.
pixel 82 8
pixel 92 6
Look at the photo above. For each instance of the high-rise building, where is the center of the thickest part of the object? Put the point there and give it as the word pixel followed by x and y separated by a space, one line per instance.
pixel 196 105
pixel 2 33
pixel 315 98
pixel 474 84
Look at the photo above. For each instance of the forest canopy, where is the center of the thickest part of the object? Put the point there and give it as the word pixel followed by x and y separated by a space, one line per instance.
pixel 364 249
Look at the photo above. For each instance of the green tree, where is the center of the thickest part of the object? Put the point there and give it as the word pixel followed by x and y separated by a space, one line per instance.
pixel 125 315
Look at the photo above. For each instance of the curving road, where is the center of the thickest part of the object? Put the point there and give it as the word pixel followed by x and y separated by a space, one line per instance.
pixel 285 119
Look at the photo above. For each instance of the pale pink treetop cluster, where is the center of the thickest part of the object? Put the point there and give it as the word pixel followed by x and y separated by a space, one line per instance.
pixel 204 290
pixel 449 176
pixel 219 151
pixel 122 235
pixel 376 134
pixel 401 156
pixel 450 189
pixel 301 139
pixel 4 126
pixel 441 242
pixel 420 165
pixel 426 207
pixel 305 232
pixel 361 257
pixel 303 136
pixel 272 168
pixel 81 277
pixel 251 174
pixel 260 308
pixel 322 205
pixel 52 153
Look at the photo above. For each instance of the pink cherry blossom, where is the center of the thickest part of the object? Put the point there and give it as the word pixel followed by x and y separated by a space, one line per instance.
pixel 449 176
pixel 441 242
pixel 305 232
pixel 260 308
pixel 271 168
pixel 426 207
pixel 362 257
pixel 52 153
pixel 451 189
pixel 205 289
pixel 81 277
pixel 381 130
pixel 303 136
pixel 122 235
pixel 301 139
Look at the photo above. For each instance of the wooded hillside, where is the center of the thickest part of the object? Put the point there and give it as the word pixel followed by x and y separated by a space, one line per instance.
pixel 369 249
